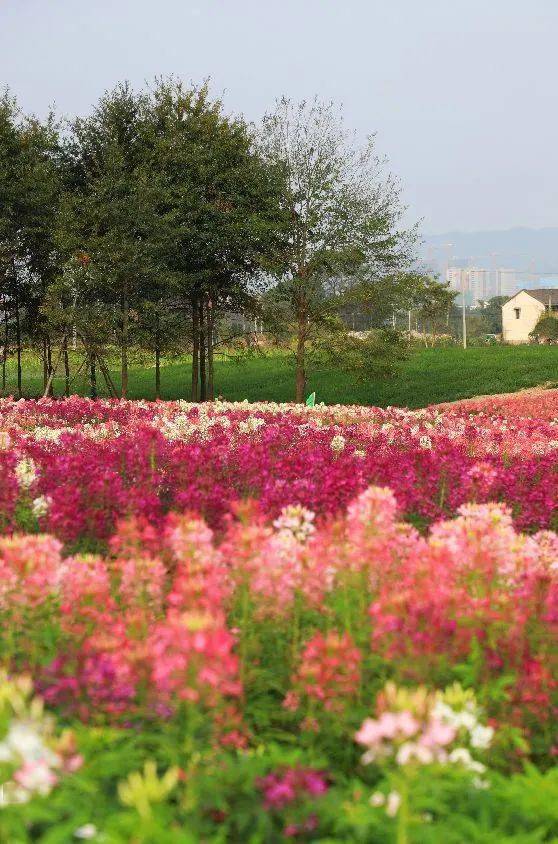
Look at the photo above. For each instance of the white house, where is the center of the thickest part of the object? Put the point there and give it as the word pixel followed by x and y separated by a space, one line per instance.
pixel 521 313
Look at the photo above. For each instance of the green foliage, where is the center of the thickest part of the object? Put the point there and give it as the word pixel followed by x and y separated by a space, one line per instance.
pixel 30 180
pixel 215 796
pixel 492 314
pixel 343 214
pixel 546 327
pixel 367 356
pixel 426 376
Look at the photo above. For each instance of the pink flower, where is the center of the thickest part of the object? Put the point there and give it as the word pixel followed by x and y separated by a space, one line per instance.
pixel 285 787
pixel 36 776
pixel 437 734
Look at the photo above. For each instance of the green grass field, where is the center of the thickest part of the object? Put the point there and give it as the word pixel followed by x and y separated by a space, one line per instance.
pixel 428 376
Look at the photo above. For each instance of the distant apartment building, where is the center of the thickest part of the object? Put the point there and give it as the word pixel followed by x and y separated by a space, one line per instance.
pixel 480 284
pixel 456 279
pixel 507 282
pixel 473 282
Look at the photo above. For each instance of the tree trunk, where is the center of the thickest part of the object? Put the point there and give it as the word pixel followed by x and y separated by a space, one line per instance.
pixel 92 375
pixel 210 341
pixel 301 353
pixel 66 369
pixel 203 373
pixel 5 350
pixel 18 341
pixel 157 358
pixel 157 374
pixel 124 364
pixel 195 347
pixel 113 392
pixel 45 364
pixel 52 370
pixel 47 369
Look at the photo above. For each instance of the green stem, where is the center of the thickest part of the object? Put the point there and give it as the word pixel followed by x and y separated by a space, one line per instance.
pixel 403 814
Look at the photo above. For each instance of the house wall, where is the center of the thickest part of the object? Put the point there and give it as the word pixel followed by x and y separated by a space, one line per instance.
pixel 517 330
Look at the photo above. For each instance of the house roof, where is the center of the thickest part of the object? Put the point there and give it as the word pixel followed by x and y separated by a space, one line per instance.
pixel 542 294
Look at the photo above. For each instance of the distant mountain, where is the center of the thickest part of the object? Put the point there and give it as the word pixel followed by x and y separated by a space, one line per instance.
pixel 533 251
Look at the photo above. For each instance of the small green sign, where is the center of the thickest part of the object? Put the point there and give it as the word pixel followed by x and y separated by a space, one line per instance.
pixel 311 400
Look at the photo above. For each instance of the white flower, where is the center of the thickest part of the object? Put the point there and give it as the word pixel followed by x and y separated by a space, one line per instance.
pixel 48 434
pixel 425 442
pixel 377 799
pixel 462 719
pixel 255 422
pixel 40 506
pixel 466 719
pixel 481 736
pixel 412 751
pixel 5 441
pixel 24 742
pixel 337 443
pixel 26 472
pixel 297 521
pixel 251 424
pixel 462 756
pixel 87 831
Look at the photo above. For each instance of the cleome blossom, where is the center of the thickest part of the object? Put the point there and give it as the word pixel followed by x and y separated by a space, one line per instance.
pixel 32 753
pixel 98 461
pixel 421 728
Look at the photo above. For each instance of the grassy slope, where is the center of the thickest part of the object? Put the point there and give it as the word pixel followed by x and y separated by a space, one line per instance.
pixel 428 376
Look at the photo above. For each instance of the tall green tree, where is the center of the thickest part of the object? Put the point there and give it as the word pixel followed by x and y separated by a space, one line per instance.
pixel 10 217
pixel 219 217
pixel 30 172
pixel 43 177
pixel 343 212
pixel 108 211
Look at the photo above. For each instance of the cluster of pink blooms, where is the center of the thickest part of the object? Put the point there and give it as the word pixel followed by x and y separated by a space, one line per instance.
pixel 290 787
pixel 284 787
pixel 81 466
pixel 154 623
pixel 534 403
pixel 402 733
pixel 212 525
pixel 135 633
pixel 474 582
pixel 415 727
pixel 329 673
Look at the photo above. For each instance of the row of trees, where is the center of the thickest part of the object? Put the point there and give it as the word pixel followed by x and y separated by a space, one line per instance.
pixel 146 222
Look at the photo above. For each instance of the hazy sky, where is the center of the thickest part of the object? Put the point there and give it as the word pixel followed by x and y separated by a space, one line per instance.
pixel 462 93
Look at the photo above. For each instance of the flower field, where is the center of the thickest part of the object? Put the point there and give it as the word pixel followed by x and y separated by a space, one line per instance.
pixel 257 623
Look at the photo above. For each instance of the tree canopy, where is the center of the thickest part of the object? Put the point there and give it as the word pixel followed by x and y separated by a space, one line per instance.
pixel 343 211
pixel 158 220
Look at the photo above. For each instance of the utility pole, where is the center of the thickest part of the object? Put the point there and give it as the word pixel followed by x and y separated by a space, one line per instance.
pixel 463 316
